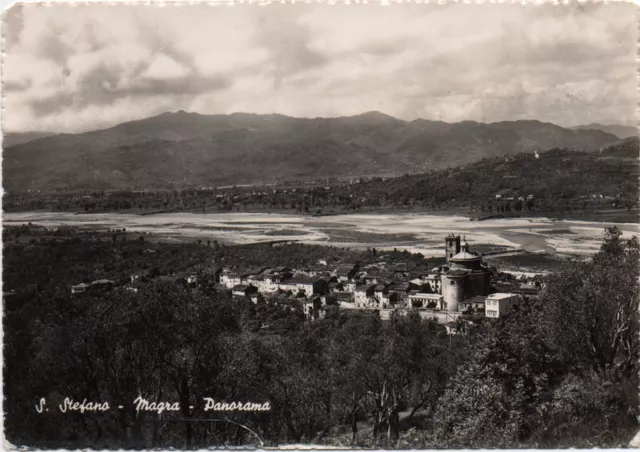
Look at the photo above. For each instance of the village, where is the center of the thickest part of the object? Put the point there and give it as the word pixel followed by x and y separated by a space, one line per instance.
pixel 463 285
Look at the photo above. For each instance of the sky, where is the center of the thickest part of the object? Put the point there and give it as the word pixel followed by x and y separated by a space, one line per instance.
pixel 73 68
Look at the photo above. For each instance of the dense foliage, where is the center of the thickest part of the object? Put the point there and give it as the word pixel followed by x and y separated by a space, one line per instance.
pixel 557 180
pixel 560 371
pixel 58 258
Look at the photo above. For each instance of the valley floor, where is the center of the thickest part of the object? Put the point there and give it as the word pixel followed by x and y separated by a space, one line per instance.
pixel 521 244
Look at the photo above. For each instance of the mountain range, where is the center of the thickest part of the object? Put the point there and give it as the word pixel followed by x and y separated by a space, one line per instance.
pixel 178 149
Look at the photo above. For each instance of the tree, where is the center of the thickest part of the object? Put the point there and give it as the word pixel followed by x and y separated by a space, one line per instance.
pixel 538 377
pixel 592 307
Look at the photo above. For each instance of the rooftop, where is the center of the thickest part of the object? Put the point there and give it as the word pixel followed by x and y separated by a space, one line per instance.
pixel 501 296
pixel 401 286
pixel 476 299
pixel 344 270
pixel 364 287
pixel 430 296
pixel 254 271
pixel 465 256
pixel 280 269
pixel 301 279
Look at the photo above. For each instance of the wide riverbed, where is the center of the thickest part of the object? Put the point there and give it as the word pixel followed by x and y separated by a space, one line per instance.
pixel 413 232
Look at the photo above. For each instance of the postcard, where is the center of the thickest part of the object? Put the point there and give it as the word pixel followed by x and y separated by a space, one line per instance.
pixel 380 225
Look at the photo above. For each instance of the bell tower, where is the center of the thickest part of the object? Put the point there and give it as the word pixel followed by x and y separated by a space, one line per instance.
pixel 465 246
pixel 452 246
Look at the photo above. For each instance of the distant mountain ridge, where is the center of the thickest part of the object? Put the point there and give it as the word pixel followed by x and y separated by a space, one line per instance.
pixel 615 129
pixel 177 149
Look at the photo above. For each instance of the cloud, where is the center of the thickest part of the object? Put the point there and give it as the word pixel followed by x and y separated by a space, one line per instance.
pixel 12 25
pixel 92 66
pixel 104 85
pixel 164 42
pixel 383 47
pixel 288 43
pixel 16 86
pixel 52 47
pixel 98 65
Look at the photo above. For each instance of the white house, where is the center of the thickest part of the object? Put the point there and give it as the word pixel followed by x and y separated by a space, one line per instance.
pixel 244 290
pixel 230 279
pixel 433 279
pixel 349 286
pixel 102 284
pixel 301 284
pixel 268 283
pixel 499 304
pixel 362 293
pixel 380 292
pixel 79 288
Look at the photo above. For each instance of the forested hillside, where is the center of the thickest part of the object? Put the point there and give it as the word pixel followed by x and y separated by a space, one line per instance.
pixel 551 178
pixel 561 371
pixel 557 182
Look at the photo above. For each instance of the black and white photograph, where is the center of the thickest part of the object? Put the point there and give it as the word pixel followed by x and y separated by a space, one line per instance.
pixel 292 225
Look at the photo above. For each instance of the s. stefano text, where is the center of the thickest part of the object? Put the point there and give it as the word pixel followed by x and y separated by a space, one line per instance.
pixel 71 405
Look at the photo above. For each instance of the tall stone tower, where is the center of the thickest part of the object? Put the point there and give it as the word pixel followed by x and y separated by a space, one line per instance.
pixel 452 246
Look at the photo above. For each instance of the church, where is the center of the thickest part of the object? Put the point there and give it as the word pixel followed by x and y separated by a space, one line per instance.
pixel 464 276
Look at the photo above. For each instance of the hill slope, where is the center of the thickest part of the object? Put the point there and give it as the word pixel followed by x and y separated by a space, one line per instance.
pixel 191 149
pixel 12 139
pixel 628 148
pixel 556 175
pixel 614 129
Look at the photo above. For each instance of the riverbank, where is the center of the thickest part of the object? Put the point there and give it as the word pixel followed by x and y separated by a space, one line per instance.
pixel 599 215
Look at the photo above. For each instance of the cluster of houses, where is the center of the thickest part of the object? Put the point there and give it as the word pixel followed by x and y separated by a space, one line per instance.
pixel 100 284
pixel 131 283
pixel 512 198
pixel 463 284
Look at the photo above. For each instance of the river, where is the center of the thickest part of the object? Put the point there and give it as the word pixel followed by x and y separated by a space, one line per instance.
pixel 414 232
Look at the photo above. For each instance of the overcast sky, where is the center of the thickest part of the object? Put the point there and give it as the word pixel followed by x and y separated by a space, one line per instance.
pixel 76 68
